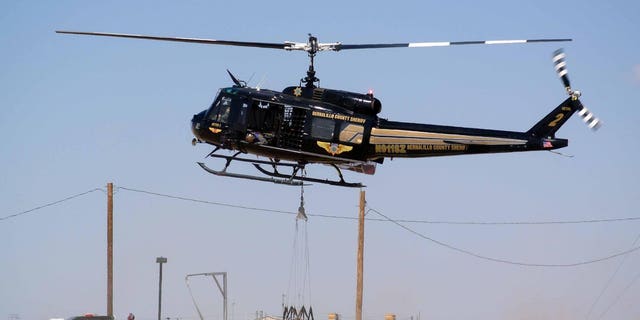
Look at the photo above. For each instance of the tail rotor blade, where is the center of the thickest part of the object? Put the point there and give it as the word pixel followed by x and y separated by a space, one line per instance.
pixel 589 119
pixel 561 67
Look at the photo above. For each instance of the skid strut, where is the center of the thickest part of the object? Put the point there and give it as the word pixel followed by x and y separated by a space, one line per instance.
pixel 295 178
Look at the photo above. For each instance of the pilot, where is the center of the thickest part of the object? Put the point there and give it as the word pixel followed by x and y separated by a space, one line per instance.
pixel 255 137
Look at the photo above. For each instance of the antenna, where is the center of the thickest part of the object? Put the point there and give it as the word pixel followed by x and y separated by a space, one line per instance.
pixel 262 81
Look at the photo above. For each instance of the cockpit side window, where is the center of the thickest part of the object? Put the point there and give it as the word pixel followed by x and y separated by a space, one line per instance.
pixel 239 115
pixel 258 119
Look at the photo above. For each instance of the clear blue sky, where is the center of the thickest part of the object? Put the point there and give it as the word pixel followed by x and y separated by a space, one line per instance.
pixel 78 112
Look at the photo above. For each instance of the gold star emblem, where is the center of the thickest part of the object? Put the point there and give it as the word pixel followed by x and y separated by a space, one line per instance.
pixel 297 91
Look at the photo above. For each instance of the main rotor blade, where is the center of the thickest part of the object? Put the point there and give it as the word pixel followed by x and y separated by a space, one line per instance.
pixel 191 40
pixel 310 46
pixel 438 44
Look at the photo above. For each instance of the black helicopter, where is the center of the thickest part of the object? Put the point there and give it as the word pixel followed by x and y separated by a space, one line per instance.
pixel 306 124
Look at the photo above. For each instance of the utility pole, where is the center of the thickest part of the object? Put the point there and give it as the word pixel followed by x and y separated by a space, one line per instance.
pixel 360 257
pixel 110 250
pixel 160 261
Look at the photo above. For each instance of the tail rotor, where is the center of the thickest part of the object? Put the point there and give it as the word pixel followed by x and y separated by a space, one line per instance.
pixel 560 64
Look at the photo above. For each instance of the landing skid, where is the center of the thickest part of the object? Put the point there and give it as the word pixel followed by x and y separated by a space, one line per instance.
pixel 273 176
pixel 340 183
pixel 224 173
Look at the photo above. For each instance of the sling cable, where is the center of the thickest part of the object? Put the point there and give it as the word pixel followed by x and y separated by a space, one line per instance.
pixel 297 299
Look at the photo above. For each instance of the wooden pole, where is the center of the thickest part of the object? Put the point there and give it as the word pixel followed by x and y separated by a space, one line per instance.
pixel 360 257
pixel 110 250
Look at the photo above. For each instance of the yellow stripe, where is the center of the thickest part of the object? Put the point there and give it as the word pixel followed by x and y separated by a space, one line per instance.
pixel 392 136
pixel 352 133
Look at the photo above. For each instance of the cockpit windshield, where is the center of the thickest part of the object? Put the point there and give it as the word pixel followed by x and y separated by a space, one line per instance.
pixel 220 109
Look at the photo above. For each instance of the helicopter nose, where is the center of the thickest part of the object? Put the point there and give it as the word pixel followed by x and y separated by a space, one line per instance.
pixel 196 124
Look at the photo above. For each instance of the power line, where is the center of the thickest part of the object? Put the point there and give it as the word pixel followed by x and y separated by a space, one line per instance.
pixel 266 210
pixel 208 202
pixel 519 222
pixel 610 280
pixel 444 222
pixel 387 219
pixel 624 291
pixel 397 222
pixel 526 264
pixel 49 204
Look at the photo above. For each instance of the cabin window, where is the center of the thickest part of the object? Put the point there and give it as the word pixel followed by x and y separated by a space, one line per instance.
pixel 322 128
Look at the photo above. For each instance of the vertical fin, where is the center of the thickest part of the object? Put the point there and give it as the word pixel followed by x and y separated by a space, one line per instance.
pixel 547 127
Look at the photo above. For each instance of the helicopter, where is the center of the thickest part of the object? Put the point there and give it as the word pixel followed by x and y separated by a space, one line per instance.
pixel 307 124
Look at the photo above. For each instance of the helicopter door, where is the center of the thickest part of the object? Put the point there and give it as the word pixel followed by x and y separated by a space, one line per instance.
pixel 239 115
